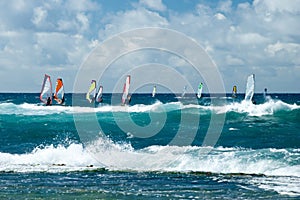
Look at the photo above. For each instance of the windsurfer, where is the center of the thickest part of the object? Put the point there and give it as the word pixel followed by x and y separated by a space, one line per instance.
pixel 265 94
pixel 129 98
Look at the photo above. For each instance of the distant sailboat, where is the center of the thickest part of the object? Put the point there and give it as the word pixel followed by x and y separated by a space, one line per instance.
pixel 184 91
pixel 265 94
pixel 59 94
pixel 250 87
pixel 154 91
pixel 125 97
pixel 91 94
pixel 46 92
pixel 234 92
pixel 199 92
pixel 99 95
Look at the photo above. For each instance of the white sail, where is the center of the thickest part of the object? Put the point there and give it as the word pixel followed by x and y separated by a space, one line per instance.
pixel 46 91
pixel 250 87
pixel 199 92
pixel 154 91
pixel 126 90
pixel 99 95
pixel 184 91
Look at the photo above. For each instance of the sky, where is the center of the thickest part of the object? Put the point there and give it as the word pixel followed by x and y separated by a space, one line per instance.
pixel 241 37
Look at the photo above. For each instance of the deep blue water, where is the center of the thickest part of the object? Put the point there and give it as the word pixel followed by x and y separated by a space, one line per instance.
pixel 163 147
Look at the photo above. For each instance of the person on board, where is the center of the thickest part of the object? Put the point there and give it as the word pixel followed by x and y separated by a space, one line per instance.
pixel 129 98
pixel 265 94
pixel 48 103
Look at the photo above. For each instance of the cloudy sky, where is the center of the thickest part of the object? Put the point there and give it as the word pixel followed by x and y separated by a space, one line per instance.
pixel 241 36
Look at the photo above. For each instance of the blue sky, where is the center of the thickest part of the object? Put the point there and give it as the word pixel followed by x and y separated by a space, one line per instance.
pixel 242 37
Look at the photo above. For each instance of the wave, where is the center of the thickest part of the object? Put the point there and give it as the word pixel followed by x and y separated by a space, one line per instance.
pixel 268 108
pixel 121 156
pixel 270 169
pixel 49 158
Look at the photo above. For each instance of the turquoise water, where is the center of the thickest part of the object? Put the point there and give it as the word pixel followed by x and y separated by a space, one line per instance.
pixel 57 152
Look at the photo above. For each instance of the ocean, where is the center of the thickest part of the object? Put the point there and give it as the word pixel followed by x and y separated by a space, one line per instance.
pixel 165 147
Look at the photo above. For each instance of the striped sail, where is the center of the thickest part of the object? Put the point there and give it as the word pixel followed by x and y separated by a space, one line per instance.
pixel 250 87
pixel 126 90
pixel 46 91
pixel 91 94
pixel 59 94
pixel 99 95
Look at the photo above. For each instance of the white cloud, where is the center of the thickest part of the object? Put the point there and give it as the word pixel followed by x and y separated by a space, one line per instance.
pixel 292 6
pixel 83 22
pixel 256 37
pixel 225 6
pixel 290 48
pixel 230 60
pixel 138 18
pixel 250 38
pixel 39 15
pixel 220 16
pixel 153 4
pixel 81 5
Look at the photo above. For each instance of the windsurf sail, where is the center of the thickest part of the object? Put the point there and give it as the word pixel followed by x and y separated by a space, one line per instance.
pixel 99 95
pixel 154 91
pixel 59 94
pixel 199 92
pixel 250 87
pixel 234 92
pixel 91 94
pixel 46 92
pixel 184 91
pixel 125 97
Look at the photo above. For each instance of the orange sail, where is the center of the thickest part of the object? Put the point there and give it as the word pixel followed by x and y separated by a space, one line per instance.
pixel 59 94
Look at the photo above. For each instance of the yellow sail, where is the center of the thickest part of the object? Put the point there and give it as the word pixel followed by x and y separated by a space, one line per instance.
pixel 91 94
